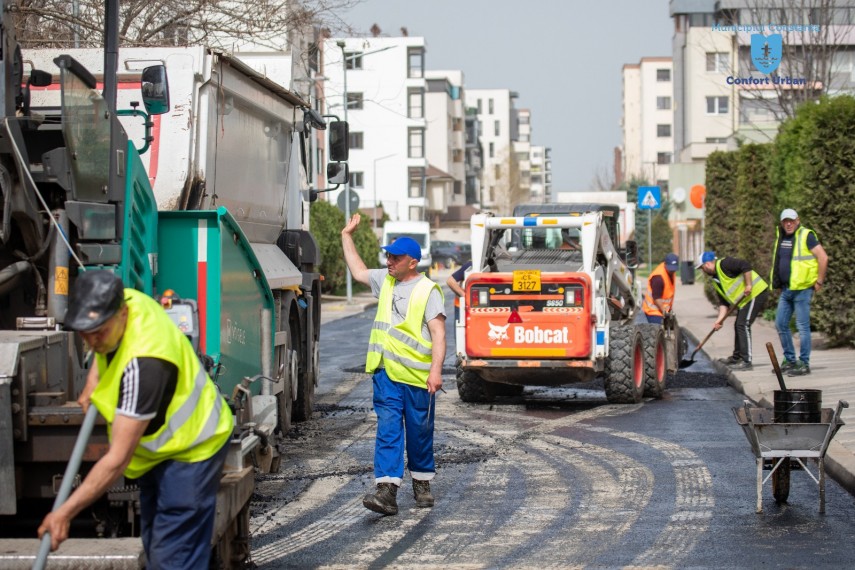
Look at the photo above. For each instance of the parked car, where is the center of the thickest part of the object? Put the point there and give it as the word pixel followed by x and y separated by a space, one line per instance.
pixel 450 253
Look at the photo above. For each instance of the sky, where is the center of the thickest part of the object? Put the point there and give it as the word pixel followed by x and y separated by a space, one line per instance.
pixel 563 57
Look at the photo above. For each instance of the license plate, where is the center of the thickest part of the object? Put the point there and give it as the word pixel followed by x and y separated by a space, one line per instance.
pixel 527 280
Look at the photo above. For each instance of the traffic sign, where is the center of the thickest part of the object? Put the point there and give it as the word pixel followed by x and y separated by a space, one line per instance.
pixel 649 198
pixel 354 201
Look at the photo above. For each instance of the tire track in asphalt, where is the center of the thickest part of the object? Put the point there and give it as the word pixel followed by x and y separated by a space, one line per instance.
pixel 693 502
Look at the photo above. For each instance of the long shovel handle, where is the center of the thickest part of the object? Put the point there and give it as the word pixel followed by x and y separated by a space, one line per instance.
pixel 68 478
pixel 771 350
pixel 709 334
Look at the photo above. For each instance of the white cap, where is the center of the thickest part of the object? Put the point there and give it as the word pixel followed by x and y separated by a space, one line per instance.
pixel 789 214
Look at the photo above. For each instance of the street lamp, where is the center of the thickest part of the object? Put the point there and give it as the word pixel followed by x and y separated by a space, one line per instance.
pixel 374 182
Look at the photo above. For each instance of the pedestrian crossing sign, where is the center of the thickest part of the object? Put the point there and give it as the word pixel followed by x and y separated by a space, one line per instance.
pixel 649 198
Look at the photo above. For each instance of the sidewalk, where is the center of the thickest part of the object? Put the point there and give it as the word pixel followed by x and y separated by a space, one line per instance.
pixel 831 371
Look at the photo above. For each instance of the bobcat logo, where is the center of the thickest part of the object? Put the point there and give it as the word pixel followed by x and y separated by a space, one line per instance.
pixel 498 334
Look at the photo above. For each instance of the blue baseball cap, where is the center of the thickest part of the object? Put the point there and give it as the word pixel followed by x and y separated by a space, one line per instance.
pixel 705 257
pixel 672 262
pixel 404 246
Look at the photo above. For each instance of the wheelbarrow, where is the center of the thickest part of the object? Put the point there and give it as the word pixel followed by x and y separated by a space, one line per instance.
pixel 781 443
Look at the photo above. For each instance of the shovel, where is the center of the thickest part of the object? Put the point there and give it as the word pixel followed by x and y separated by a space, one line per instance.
pixel 686 362
pixel 771 350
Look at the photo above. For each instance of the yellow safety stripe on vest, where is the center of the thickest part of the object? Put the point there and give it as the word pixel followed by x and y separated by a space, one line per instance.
pixel 404 361
pixel 181 415
pixel 211 425
pixel 409 341
pixel 741 284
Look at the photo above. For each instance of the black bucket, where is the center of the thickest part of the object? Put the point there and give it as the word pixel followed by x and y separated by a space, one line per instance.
pixel 798 406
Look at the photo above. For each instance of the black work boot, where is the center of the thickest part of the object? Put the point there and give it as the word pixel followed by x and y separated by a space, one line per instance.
pixel 383 501
pixel 421 490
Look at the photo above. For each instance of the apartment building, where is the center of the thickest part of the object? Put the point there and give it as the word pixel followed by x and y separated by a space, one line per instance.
pixel 383 81
pixel 648 120
pixel 499 127
pixel 541 174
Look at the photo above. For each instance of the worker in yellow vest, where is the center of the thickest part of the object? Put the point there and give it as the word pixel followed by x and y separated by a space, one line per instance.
pixel 736 284
pixel 659 297
pixel 167 423
pixel 799 264
pixel 405 355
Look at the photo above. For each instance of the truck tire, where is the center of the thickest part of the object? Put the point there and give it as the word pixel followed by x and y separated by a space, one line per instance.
pixel 655 360
pixel 471 387
pixel 624 370
pixel 304 405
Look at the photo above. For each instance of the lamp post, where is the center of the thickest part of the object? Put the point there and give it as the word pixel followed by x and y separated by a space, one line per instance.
pixel 348 276
pixel 374 182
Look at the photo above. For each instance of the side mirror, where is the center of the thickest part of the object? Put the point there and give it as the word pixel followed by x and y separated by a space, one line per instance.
pixel 339 135
pixel 40 78
pixel 155 90
pixel 337 172
pixel 631 255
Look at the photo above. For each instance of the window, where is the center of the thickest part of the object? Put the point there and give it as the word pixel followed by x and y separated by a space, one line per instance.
pixel 717 62
pixel 663 158
pixel 353 59
pixel 416 147
pixel 717 105
pixel 417 214
pixel 498 171
pixel 497 128
pixel 480 128
pixel 490 106
pixel 663 75
pixel 663 103
pixel 356 180
pixel 492 150
pixel 415 62
pixel 717 140
pixel 663 130
pixel 355 140
pixel 416 176
pixel 479 107
pixel 415 103
pixel 354 100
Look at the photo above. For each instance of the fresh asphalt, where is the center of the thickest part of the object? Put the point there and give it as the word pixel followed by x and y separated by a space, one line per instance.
pixel 831 368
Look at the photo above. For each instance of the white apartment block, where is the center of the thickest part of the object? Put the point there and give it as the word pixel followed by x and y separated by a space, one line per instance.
pixel 541 174
pixel 497 119
pixel 648 120
pixel 386 90
pixel 445 142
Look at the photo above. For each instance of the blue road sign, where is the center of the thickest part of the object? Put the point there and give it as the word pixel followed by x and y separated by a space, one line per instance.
pixel 649 198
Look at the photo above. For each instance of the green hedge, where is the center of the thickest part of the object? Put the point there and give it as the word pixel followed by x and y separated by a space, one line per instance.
pixel 828 141
pixel 755 208
pixel 326 222
pixel 720 224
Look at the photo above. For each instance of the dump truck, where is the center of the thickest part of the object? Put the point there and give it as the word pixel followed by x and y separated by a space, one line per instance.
pixel 201 193
pixel 552 299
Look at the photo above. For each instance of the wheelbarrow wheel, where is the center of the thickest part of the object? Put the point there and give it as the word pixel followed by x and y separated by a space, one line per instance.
pixel 781 481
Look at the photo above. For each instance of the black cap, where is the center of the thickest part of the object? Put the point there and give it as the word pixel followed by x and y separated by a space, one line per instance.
pixel 96 297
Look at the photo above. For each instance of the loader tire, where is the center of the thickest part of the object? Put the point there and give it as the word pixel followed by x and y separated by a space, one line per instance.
pixel 472 388
pixel 655 360
pixel 624 370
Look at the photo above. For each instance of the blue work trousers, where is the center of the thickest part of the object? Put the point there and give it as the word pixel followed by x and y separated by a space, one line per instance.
pixel 178 505
pixel 405 414
pixel 797 302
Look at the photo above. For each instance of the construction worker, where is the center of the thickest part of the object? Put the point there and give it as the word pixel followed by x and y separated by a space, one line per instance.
pixel 405 355
pixel 659 297
pixel 167 422
pixel 455 283
pixel 799 264
pixel 736 283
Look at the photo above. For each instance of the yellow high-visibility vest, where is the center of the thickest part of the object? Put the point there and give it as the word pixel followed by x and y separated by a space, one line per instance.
pixel 804 267
pixel 732 288
pixel 198 422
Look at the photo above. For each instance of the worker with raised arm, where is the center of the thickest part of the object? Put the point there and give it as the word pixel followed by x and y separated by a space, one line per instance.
pixel 405 355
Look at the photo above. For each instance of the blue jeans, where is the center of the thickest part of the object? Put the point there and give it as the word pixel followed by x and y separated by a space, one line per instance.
pixel 178 505
pixel 405 416
pixel 797 302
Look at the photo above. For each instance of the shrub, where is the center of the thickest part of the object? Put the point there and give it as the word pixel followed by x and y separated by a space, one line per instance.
pixel 326 222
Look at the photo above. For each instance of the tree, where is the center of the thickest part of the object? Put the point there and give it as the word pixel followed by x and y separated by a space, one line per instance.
pixel 326 221
pixel 215 23
pixel 810 43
